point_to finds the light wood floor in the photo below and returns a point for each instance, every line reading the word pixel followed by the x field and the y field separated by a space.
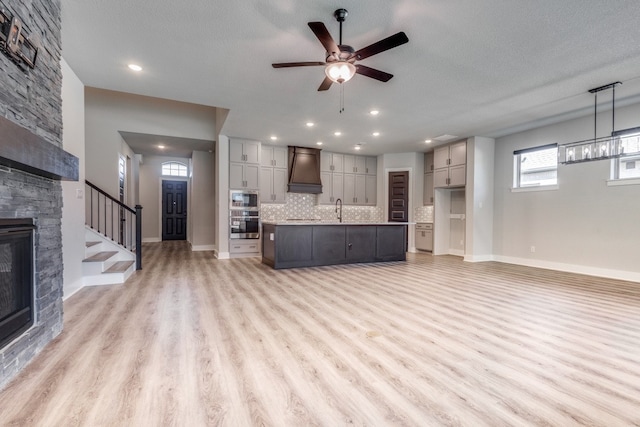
pixel 193 341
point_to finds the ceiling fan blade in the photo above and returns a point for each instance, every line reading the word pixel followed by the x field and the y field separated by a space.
pixel 326 84
pixel 325 38
pixel 297 64
pixel 373 73
pixel 382 45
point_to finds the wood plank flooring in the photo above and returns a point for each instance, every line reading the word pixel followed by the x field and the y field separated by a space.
pixel 194 341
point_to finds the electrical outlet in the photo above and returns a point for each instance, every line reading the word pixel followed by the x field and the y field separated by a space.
pixel 532 249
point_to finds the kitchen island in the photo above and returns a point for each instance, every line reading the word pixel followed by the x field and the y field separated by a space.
pixel 308 244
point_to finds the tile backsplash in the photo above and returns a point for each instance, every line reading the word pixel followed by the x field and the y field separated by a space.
pixel 423 214
pixel 305 207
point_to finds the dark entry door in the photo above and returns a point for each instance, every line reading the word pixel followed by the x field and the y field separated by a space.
pixel 399 196
pixel 174 210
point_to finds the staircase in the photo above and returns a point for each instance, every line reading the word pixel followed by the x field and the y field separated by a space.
pixel 106 262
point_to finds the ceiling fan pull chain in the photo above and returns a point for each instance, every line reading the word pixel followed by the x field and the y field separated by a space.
pixel 341 98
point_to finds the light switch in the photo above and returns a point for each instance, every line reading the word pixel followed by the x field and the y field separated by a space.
pixel 79 193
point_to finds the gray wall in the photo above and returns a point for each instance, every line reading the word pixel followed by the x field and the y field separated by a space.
pixel 583 226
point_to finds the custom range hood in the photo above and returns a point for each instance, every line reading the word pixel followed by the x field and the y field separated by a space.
pixel 304 170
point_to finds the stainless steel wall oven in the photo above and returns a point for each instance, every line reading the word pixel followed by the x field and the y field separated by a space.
pixel 244 215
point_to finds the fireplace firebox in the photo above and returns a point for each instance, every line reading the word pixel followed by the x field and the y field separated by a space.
pixel 16 278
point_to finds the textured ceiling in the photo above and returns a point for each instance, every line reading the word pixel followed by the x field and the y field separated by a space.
pixel 471 67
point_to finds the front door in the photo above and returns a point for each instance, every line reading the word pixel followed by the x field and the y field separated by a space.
pixel 174 210
pixel 399 196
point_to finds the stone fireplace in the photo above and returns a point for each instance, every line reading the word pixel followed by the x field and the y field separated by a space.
pixel 32 163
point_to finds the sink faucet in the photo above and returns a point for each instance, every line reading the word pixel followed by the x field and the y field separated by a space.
pixel 339 212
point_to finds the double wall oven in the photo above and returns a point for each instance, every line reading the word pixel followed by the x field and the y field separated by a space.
pixel 244 215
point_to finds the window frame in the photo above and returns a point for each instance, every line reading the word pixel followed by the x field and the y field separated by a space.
pixel 178 168
pixel 517 169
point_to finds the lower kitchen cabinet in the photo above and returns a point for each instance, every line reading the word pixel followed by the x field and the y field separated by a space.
pixel 424 236
pixel 305 245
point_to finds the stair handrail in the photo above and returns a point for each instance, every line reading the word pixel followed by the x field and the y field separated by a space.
pixel 136 220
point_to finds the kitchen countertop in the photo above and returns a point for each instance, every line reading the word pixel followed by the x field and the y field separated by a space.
pixel 306 222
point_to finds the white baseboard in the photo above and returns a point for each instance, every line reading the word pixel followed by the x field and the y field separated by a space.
pixel 151 240
pixel 197 248
pixel 221 255
pixel 72 289
pixel 456 252
pixel 631 276
pixel 478 258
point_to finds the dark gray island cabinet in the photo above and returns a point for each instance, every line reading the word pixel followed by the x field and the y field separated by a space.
pixel 289 245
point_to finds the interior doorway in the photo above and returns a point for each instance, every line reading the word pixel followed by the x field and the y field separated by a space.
pixel 398 196
pixel 174 210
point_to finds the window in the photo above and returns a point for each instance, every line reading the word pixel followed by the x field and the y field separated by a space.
pixel 535 167
pixel 174 169
pixel 628 165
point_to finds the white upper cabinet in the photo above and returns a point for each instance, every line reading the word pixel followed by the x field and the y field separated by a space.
pixel 244 151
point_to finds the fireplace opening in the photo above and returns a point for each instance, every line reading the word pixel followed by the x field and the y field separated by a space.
pixel 16 278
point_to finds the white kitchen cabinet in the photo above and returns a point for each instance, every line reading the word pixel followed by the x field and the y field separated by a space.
pixel 332 187
pixel 424 236
pixel 242 151
pixel 331 162
pixel 274 156
pixel 273 185
pixel 244 246
pixel 428 192
pixel 355 164
pixel 355 192
pixel 371 165
pixel 450 165
pixel 243 176
pixel 428 162
pixel 371 189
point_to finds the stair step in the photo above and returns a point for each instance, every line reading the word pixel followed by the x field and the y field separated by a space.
pixel 100 256
pixel 119 267
pixel 89 244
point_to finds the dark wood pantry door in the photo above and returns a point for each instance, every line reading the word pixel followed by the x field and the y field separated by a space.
pixel 399 196
pixel 174 210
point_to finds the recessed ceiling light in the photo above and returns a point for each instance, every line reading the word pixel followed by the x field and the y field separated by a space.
pixel 319 143
pixel 135 67
pixel 161 147
pixel 374 112
pixel 337 133
pixel 273 138
pixel 310 124
pixel 357 147
pixel 376 134
pixel 428 141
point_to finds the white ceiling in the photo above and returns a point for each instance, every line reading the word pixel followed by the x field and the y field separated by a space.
pixel 471 67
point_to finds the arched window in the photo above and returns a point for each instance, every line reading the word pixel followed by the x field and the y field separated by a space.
pixel 174 169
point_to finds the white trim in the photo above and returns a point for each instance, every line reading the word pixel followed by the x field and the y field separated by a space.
pixel 198 248
pixel 456 252
pixel 625 181
pixel 478 258
pixel 572 268
pixel 151 240
pixel 536 188
pixel 221 255
pixel 77 285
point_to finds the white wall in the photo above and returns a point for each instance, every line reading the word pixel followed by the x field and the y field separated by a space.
pixel 108 112
pixel 73 242
pixel 151 195
pixel 203 215
pixel 222 197
pixel 585 225
pixel 480 200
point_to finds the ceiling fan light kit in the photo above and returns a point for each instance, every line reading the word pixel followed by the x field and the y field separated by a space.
pixel 340 58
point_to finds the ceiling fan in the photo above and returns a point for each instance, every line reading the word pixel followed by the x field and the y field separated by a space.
pixel 340 60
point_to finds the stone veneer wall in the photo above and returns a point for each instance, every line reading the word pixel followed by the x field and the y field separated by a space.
pixel 32 99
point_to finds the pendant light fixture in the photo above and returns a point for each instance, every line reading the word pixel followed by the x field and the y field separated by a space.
pixel 620 143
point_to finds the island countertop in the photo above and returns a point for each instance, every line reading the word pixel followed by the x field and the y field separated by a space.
pixel 290 244
pixel 319 222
